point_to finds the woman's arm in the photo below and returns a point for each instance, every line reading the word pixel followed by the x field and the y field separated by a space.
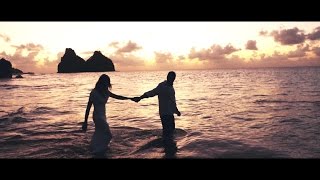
pixel 118 96
pixel 85 123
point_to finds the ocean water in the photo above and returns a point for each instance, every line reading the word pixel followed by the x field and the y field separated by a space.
pixel 238 113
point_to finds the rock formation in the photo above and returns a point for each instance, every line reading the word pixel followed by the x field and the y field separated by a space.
pixel 16 71
pixel 99 63
pixel 71 63
pixel 5 68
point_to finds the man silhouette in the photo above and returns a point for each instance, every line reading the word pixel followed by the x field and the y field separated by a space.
pixel 167 107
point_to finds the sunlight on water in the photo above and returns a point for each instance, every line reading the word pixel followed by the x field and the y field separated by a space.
pixel 243 113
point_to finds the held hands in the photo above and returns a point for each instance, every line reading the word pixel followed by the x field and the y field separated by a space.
pixel 136 99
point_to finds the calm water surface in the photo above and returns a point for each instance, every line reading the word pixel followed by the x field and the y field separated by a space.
pixel 244 113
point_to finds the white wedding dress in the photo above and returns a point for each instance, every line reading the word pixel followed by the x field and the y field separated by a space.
pixel 102 135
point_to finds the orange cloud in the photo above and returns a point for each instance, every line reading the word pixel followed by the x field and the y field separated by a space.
pixel 286 60
pixel 289 36
pixel 128 48
pixel 315 35
pixel 114 44
pixel 214 57
pixel 251 45
pixel 263 33
pixel 299 52
pixel 316 51
pixel 163 58
pixel 29 47
pixel 214 52
pixel 28 63
pixel 125 61
pixel 124 58
pixel 5 37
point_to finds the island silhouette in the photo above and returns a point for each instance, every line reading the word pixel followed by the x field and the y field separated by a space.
pixel 72 63
pixel 6 69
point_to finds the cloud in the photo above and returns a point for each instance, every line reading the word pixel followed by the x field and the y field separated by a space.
pixel 163 58
pixel 251 45
pixel 214 52
pixel 127 62
pixel 180 58
pixel 114 44
pixel 304 48
pixel 29 47
pixel 124 58
pixel 24 58
pixel 296 53
pixel 263 33
pixel 299 52
pixel 87 52
pixel 316 51
pixel 129 47
pixel 294 58
pixel 315 35
pixel 48 66
pixel 166 60
pixel 4 55
pixel 59 55
pixel 284 60
pixel 289 36
pixel 211 58
pixel 227 62
pixel 229 49
pixel 275 60
pixel 24 63
pixel 163 61
pixel 5 37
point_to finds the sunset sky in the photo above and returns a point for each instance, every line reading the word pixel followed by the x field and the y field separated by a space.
pixel 39 46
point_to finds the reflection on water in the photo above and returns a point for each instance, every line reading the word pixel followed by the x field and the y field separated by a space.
pixel 225 114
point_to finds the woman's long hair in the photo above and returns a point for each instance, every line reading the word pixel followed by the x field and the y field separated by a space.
pixel 103 84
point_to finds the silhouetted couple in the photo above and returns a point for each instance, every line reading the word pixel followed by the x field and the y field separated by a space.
pixel 99 97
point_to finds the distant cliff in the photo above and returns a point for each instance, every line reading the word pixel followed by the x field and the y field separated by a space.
pixel 71 63
pixel 99 63
pixel 16 71
pixel 5 68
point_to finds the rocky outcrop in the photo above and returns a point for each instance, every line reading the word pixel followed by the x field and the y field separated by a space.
pixel 5 68
pixel 99 63
pixel 19 76
pixel 16 71
pixel 71 63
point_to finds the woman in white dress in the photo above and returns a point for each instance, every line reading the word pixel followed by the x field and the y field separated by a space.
pixel 99 97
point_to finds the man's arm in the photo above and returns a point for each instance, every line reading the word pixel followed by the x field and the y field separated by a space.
pixel 173 98
pixel 148 94
pixel 177 111
pixel 151 93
